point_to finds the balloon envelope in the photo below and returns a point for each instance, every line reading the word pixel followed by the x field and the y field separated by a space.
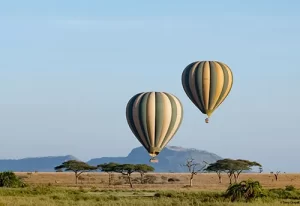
pixel 207 84
pixel 154 118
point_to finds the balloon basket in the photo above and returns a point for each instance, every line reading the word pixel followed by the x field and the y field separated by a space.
pixel 207 120
pixel 153 160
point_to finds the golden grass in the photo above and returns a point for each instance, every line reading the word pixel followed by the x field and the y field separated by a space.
pixel 201 181
pixel 93 190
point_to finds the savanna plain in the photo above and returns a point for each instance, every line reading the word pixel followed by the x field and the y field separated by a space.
pixel 59 188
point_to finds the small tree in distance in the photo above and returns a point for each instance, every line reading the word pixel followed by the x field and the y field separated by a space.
pixel 217 167
pixel 233 168
pixel 109 168
pixel 276 174
pixel 78 167
pixel 244 165
pixel 142 169
pixel 193 168
pixel 126 169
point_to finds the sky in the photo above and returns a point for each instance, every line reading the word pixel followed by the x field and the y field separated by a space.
pixel 68 69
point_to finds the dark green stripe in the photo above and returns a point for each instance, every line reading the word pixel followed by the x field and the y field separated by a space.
pixel 185 82
pixel 129 117
pixel 225 85
pixel 173 118
pixel 159 116
pixel 143 115
pixel 199 86
pixel 213 82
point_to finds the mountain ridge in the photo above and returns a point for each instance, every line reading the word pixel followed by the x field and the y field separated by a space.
pixel 170 160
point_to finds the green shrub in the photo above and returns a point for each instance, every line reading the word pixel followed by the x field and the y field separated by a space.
pixel 173 179
pixel 245 190
pixel 149 179
pixel 290 188
pixel 280 193
pixel 9 179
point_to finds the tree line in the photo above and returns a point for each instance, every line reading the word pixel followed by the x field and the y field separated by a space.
pixel 79 167
pixel 233 169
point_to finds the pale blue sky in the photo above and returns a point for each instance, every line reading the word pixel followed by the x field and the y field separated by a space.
pixel 68 69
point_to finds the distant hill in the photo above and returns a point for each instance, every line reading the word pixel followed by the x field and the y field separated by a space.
pixel 170 160
pixel 41 164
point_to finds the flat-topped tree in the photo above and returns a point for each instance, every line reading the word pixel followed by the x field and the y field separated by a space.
pixel 217 167
pixel 126 169
pixel 108 168
pixel 233 168
pixel 78 167
pixel 142 169
pixel 244 165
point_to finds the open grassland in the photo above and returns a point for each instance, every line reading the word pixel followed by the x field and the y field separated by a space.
pixel 59 189
pixel 49 195
pixel 204 181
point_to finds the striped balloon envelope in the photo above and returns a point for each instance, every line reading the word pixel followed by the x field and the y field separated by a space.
pixel 207 84
pixel 154 118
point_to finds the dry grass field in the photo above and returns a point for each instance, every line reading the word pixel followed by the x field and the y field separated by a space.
pixel 58 188
pixel 201 181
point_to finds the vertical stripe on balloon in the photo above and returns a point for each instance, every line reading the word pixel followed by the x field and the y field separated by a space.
pixel 154 118
pixel 207 84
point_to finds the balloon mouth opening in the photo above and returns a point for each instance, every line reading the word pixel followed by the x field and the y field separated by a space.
pixel 154 151
pixel 153 154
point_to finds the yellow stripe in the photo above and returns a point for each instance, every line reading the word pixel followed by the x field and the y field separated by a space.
pixel 206 84
pixel 166 118
pixel 151 118
pixel 135 114
pixel 220 82
pixel 192 83
pixel 177 123
pixel 230 79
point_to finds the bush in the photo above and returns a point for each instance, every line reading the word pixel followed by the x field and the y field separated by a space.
pixel 164 179
pixel 173 179
pixel 9 179
pixel 280 193
pixel 245 190
pixel 290 188
pixel 149 179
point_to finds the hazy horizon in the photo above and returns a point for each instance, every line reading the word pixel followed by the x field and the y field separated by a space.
pixel 69 68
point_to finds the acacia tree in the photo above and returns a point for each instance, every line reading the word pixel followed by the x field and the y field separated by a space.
pixel 233 168
pixel 193 168
pixel 142 169
pixel 229 166
pixel 217 167
pixel 78 167
pixel 109 168
pixel 125 169
pixel 242 165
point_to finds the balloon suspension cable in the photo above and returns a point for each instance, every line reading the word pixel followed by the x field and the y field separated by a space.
pixel 153 160
pixel 207 120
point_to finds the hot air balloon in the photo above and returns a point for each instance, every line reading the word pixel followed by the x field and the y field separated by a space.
pixel 207 84
pixel 154 118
